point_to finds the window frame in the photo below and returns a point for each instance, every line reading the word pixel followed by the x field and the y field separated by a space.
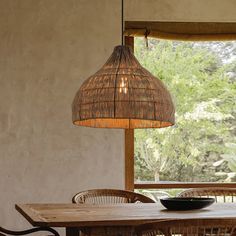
pixel 129 162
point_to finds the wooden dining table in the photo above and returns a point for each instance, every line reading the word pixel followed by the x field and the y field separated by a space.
pixel 75 216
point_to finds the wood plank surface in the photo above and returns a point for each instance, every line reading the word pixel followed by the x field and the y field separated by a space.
pixel 76 215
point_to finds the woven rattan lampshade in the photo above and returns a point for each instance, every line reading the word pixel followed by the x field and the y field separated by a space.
pixel 123 94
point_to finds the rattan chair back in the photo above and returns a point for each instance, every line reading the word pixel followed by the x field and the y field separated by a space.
pixel 193 227
pixel 109 196
pixel 220 194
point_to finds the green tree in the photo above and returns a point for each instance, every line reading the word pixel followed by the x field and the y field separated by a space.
pixel 203 87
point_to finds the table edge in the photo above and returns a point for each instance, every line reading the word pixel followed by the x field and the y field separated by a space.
pixel 25 211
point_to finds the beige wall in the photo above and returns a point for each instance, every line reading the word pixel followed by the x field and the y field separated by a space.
pixel 47 48
pixel 181 10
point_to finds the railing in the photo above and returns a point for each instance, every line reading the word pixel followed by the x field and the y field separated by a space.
pixel 169 185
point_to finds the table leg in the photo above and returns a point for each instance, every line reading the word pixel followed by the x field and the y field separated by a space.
pixel 72 231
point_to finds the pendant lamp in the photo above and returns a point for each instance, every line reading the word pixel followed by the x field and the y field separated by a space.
pixel 123 94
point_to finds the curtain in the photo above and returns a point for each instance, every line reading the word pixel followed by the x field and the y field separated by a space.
pixel 188 31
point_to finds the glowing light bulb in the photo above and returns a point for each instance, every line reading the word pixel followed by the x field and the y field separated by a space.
pixel 123 86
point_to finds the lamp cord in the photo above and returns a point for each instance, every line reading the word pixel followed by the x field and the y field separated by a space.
pixel 122 22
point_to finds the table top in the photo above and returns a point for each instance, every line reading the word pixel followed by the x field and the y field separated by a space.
pixel 78 215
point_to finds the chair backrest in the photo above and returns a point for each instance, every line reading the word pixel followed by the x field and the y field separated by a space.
pixel 220 194
pixel 109 196
pixel 194 227
pixel 4 232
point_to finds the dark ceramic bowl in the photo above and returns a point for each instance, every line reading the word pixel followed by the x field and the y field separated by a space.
pixel 183 204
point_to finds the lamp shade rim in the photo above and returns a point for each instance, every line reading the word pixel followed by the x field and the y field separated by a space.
pixel 123 123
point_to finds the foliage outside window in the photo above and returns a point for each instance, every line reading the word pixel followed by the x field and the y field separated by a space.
pixel 201 147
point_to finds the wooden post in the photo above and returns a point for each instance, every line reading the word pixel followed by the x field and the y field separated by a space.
pixel 129 142
pixel 129 159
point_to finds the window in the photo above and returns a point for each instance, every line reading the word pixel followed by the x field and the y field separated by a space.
pixel 201 147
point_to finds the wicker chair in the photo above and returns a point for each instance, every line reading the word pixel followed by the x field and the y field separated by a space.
pixel 109 196
pixel 193 227
pixel 220 194
pixel 4 232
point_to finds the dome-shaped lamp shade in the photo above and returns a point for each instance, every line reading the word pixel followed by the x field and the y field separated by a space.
pixel 122 94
